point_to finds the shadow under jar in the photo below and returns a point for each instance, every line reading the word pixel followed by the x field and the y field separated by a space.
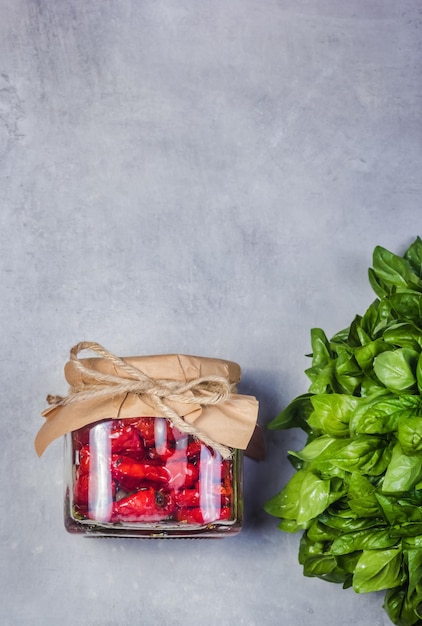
pixel 142 477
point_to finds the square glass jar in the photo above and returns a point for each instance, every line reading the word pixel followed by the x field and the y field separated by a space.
pixel 142 477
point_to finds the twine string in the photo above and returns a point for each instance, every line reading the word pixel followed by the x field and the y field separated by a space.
pixel 205 390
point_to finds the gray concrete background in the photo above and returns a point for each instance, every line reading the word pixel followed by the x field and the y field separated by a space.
pixel 199 177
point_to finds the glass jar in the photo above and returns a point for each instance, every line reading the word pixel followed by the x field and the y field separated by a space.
pixel 142 477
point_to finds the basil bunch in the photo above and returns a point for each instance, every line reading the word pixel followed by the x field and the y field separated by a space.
pixel 357 490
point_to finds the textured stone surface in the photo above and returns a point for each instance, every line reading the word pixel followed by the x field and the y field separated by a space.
pixel 201 177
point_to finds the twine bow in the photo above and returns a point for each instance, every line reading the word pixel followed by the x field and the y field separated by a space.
pixel 205 391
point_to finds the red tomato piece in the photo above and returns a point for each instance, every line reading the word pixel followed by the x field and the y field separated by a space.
pixel 146 428
pixel 182 474
pixel 125 437
pixel 145 505
pixel 84 459
pixel 132 474
pixel 187 498
pixel 90 499
pixel 201 516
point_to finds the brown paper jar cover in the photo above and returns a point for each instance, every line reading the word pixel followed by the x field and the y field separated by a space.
pixel 230 423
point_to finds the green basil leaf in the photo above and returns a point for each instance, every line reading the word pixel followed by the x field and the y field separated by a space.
pixel 326 568
pixel 408 529
pixel 393 604
pixel 347 336
pixel 393 512
pixel 321 373
pixel 414 567
pixel 320 532
pixel 347 372
pixel 403 335
pixel 373 539
pixel 348 562
pixel 323 380
pixel 399 609
pixel 408 306
pixel 303 498
pixel 295 461
pixel 359 486
pixel 366 354
pixel 381 316
pixel 396 369
pixel 386 317
pixel 409 433
pixel 414 256
pixel 400 510
pixel 369 321
pixel 308 547
pixel 369 454
pixel 291 526
pixel 380 287
pixel 321 566
pixel 394 270
pixel 365 506
pixel 403 471
pixel 412 542
pixel 348 521
pixel 369 387
pixel 419 373
pixel 377 570
pixel 362 496
pixel 315 448
pixel 380 414
pixel 321 353
pixel 364 338
pixel 295 415
pixel 332 413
